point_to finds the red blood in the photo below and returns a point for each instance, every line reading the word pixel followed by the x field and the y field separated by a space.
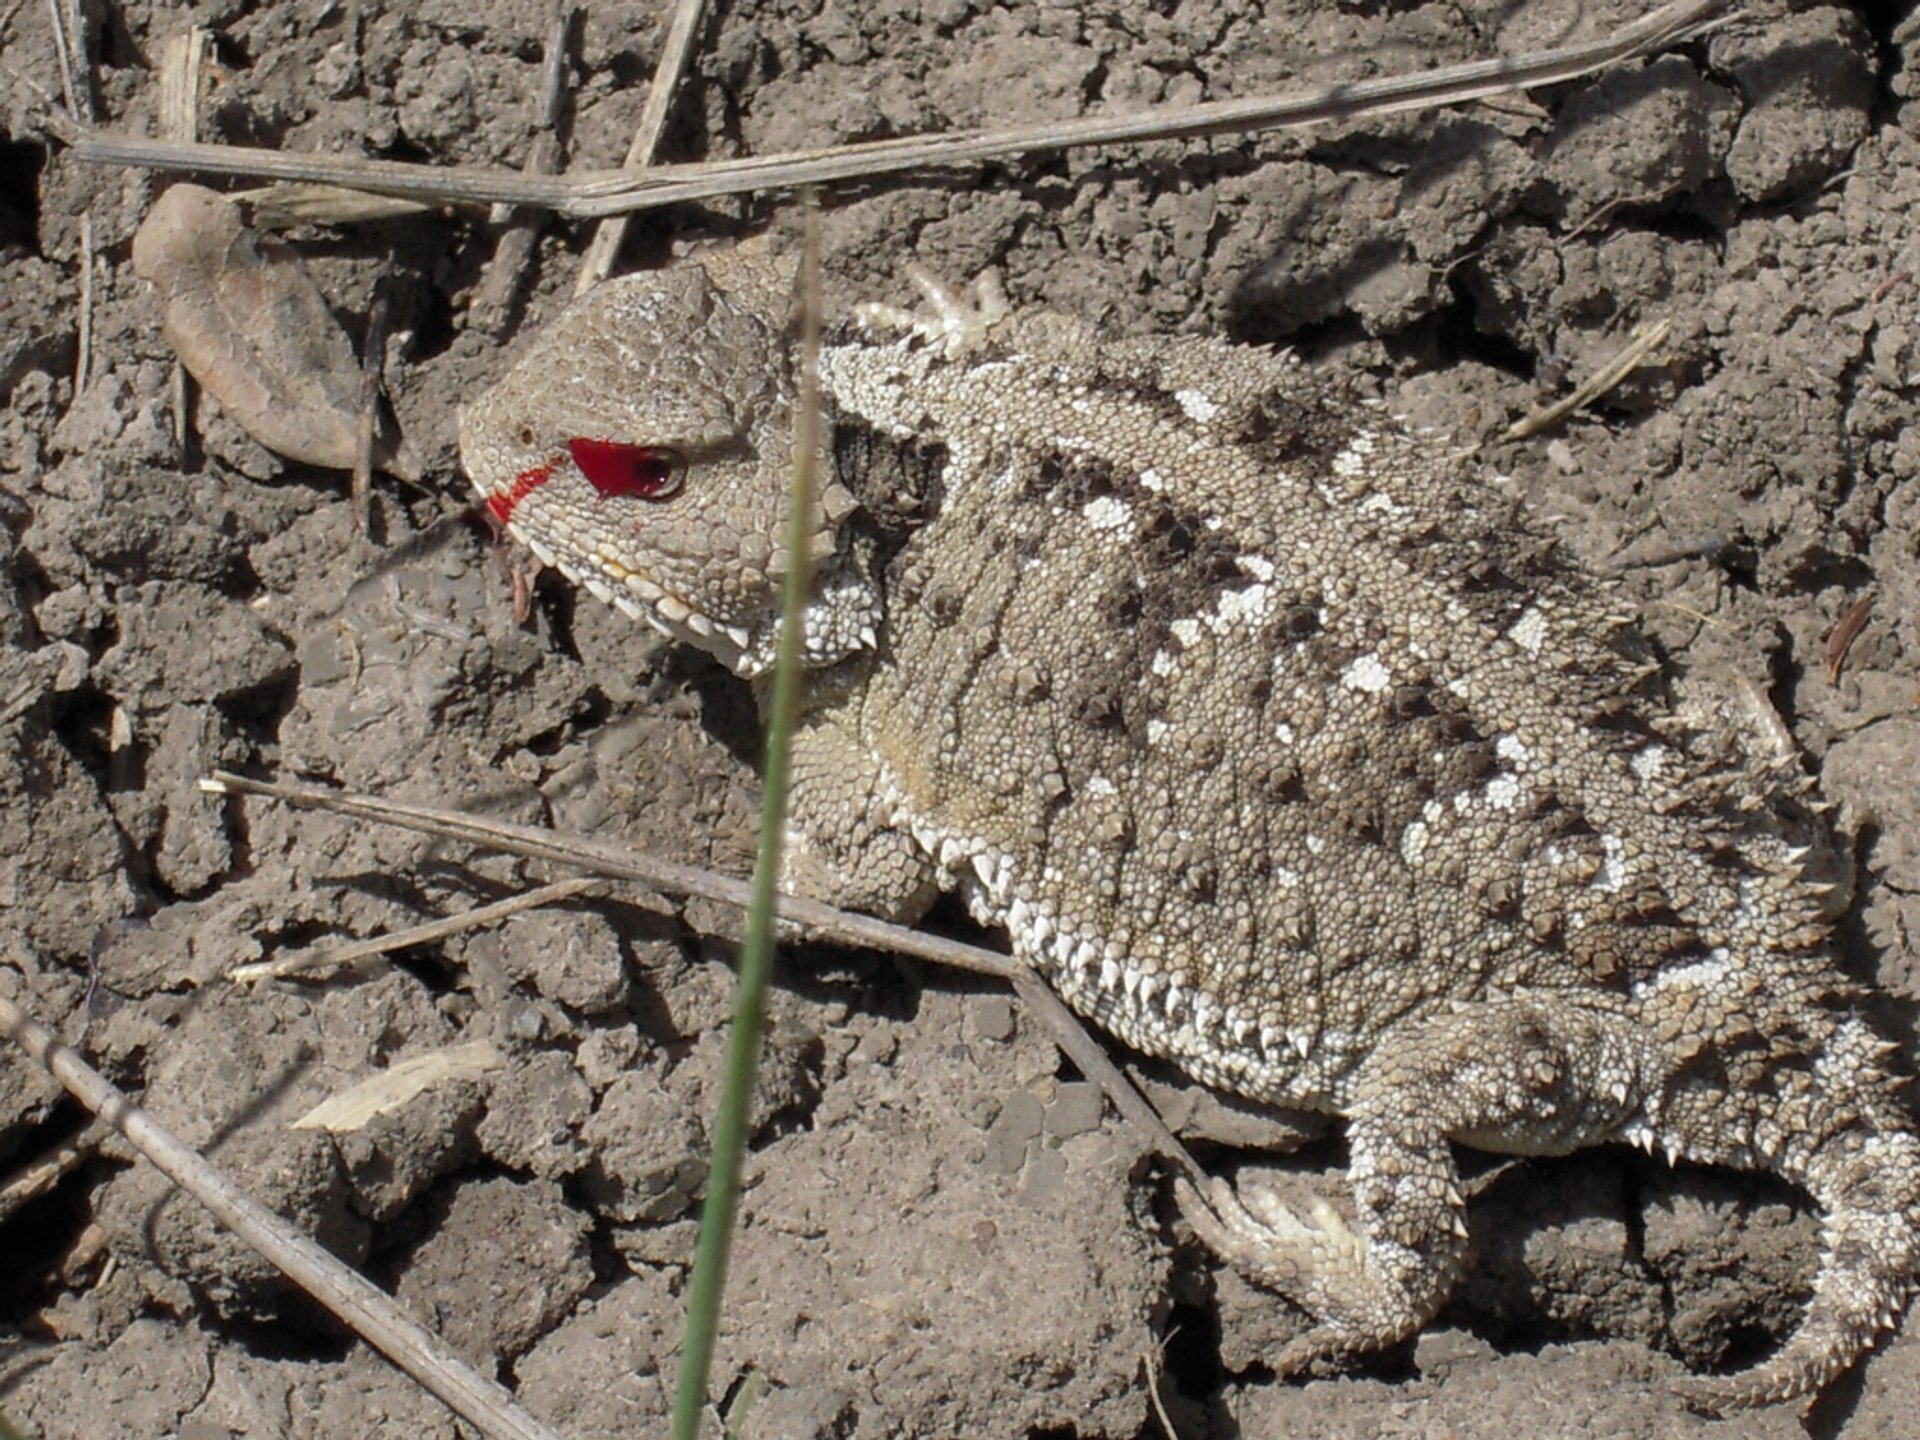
pixel 652 472
pixel 504 502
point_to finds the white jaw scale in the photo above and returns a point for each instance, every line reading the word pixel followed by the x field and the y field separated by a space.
pixel 639 598
pixel 839 620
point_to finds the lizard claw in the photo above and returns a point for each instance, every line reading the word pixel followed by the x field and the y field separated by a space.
pixel 955 320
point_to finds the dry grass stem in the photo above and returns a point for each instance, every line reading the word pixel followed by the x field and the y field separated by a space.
pixel 38 1176
pixel 818 920
pixel 333 961
pixel 183 59
pixel 373 349
pixel 1647 338
pixel 78 97
pixel 596 857
pixel 1845 633
pixel 83 343
pixel 613 192
pixel 607 237
pixel 1150 1361
pixel 493 300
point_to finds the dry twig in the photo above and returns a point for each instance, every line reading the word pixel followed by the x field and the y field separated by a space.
pixel 83 345
pixel 1647 338
pixel 79 97
pixel 822 921
pixel 1845 633
pixel 607 237
pixel 39 1176
pixel 333 961
pixel 493 300
pixel 373 352
pixel 183 60
pixel 615 192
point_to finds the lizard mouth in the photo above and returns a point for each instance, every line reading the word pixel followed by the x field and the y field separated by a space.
pixel 570 535
pixel 641 598
pixel 617 470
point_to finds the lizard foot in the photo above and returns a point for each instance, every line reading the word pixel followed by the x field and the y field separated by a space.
pixel 1319 1260
pixel 955 320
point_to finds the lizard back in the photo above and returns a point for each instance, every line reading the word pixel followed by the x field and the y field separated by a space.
pixel 1258 721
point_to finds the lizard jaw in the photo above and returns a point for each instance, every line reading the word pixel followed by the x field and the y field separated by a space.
pixel 640 598
pixel 841 618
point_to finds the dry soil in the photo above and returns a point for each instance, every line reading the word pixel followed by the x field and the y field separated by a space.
pixel 944 1234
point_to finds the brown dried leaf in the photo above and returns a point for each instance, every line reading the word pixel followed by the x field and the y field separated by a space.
pixel 253 330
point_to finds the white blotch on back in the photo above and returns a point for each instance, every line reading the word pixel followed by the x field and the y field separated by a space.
pixel 1197 405
pixel 1366 674
pixel 1711 973
pixel 1353 460
pixel 1413 842
pixel 1529 632
pixel 1613 871
pixel 1250 604
pixel 1107 512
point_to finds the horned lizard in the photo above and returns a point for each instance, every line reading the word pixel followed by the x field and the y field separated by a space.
pixel 1273 737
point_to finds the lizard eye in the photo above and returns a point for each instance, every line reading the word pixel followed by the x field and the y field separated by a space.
pixel 615 468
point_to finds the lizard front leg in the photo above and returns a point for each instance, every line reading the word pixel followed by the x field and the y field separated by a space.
pixel 842 845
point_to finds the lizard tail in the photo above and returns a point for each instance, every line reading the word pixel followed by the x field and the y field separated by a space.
pixel 1859 1159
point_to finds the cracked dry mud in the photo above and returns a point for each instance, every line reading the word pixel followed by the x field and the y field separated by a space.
pixel 943 1234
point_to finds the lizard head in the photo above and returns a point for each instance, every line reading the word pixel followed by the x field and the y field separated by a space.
pixel 643 445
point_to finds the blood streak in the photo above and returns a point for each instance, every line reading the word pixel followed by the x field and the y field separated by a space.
pixel 616 467
pixel 504 502
pixel 612 467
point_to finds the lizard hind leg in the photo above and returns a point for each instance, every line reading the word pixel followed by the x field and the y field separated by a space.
pixel 1529 1074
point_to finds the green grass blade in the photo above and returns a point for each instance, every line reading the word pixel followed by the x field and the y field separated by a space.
pixel 756 955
